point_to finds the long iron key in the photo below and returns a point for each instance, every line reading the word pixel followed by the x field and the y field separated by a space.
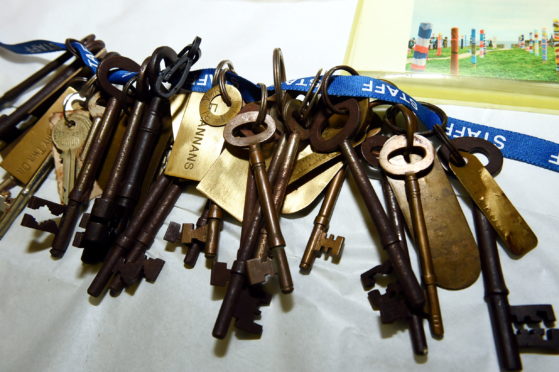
pixel 265 195
pixel 391 304
pixel 410 171
pixel 412 289
pixel 505 318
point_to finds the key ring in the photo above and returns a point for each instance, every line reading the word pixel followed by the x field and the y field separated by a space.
pixel 324 86
pixel 279 77
pixel 219 79
pixel 310 99
pixel 263 105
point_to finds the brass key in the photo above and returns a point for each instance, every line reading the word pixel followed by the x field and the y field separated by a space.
pixel 68 135
pixel 265 196
pixel 410 171
pixel 319 241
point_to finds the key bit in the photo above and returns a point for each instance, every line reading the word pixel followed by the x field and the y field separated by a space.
pixel 330 245
pixel 247 309
pixel 391 304
pixel 220 274
pixel 48 225
pixel 132 272
pixel 259 270
pixel 528 319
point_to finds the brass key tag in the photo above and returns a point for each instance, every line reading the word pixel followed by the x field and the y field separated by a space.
pixel 26 157
pixel 515 233
pixel 197 144
pixel 453 248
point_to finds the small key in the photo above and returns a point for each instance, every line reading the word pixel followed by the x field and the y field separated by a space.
pixel 412 289
pixel 319 242
pixel 410 171
pixel 68 137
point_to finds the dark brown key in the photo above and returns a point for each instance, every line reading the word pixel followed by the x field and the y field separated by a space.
pixel 236 276
pixel 44 71
pixel 46 93
pixel 514 327
pixel 389 238
pixel 102 224
pixel 135 265
pixel 265 195
pixel 156 114
pixel 391 305
pixel 124 241
pixel 93 160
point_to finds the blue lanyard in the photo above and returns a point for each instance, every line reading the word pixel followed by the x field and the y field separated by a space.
pixel 517 146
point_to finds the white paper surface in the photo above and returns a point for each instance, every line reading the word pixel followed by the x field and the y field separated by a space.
pixel 49 323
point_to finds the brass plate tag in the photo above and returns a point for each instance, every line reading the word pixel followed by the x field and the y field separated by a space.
pixel 453 248
pixel 488 196
pixel 197 145
pixel 30 152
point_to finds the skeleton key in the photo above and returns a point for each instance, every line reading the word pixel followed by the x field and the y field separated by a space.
pixel 265 196
pixel 124 241
pixel 80 192
pixel 319 242
pixel 392 305
pixel 236 276
pixel 144 239
pixel 102 224
pixel 412 289
pixel 68 135
pixel 410 171
pixel 508 321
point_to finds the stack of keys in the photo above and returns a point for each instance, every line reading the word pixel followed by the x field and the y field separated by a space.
pixel 222 134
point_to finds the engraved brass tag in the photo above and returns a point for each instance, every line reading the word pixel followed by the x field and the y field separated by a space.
pixel 488 196
pixel 453 248
pixel 30 152
pixel 197 145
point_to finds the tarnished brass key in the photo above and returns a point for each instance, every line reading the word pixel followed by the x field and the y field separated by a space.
pixel 265 196
pixel 410 171
pixel 412 289
pixel 319 242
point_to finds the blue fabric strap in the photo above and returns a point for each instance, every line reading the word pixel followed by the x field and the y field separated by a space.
pixel 517 146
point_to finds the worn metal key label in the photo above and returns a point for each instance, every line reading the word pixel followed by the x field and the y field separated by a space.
pixel 488 196
pixel 30 152
pixel 197 145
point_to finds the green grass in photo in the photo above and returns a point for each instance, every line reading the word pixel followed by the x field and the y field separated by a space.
pixel 506 64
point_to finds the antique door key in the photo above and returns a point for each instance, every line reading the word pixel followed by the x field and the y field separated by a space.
pixel 514 327
pixel 410 171
pixel 389 239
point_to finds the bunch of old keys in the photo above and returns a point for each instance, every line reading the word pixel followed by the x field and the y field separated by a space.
pixel 115 145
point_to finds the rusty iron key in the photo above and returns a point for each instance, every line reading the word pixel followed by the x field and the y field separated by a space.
pixel 265 196
pixel 79 194
pixel 410 171
pixel 509 331
pixel 391 304
pixel 412 289
pixel 102 222
pixel 124 241
pixel 135 265
pixel 238 301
